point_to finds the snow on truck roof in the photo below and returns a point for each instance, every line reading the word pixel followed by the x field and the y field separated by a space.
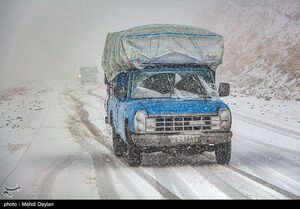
pixel 153 45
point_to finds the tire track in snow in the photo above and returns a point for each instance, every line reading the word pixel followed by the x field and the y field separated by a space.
pixel 82 130
pixel 130 185
pixel 171 180
pixel 164 191
pixel 105 185
pixel 263 182
pixel 162 165
pixel 271 127
pixel 83 114
pixel 45 185
pixel 285 163
pixel 96 95
pixel 256 179
pixel 219 183
pixel 288 154
pixel 84 119
pixel 103 165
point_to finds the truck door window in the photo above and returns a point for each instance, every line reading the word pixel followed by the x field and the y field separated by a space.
pixel 120 80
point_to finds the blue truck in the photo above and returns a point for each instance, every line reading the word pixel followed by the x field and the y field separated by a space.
pixel 162 94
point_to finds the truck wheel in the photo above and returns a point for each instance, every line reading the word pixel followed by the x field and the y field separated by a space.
pixel 118 146
pixel 133 155
pixel 133 152
pixel 223 153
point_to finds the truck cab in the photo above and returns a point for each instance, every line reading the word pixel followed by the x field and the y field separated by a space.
pixel 169 108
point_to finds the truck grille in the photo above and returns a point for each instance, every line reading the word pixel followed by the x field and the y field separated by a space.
pixel 165 124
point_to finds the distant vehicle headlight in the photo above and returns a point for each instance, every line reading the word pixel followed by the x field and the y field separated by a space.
pixel 79 75
pixel 225 118
pixel 140 121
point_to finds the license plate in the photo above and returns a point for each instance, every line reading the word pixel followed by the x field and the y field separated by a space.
pixel 184 139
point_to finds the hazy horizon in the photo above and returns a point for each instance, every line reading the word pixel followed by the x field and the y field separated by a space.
pixel 50 40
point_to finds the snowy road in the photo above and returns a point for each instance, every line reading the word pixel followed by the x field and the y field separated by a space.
pixel 66 152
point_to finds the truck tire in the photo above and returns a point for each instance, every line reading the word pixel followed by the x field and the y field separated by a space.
pixel 118 146
pixel 133 156
pixel 133 152
pixel 223 153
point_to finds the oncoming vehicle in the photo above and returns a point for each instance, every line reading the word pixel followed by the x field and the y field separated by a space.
pixel 162 94
pixel 88 75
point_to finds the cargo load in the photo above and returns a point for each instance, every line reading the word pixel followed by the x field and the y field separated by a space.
pixel 160 45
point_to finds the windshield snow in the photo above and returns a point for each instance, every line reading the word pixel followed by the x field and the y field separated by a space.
pixel 173 84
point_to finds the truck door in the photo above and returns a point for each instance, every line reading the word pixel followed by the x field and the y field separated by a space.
pixel 112 104
pixel 120 103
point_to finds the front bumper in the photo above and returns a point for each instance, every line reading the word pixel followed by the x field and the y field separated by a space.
pixel 171 140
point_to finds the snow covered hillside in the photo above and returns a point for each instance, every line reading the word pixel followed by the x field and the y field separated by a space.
pixel 262 47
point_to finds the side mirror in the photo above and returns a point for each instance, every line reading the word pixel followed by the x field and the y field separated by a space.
pixel 120 92
pixel 224 89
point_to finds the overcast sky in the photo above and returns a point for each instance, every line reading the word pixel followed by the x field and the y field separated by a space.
pixel 51 39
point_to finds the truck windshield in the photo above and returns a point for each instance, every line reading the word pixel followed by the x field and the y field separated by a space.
pixel 172 84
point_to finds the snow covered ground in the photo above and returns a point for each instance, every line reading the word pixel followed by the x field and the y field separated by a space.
pixel 55 144
pixel 281 114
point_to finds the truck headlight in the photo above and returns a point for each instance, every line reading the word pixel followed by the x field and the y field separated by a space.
pixel 225 118
pixel 140 121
